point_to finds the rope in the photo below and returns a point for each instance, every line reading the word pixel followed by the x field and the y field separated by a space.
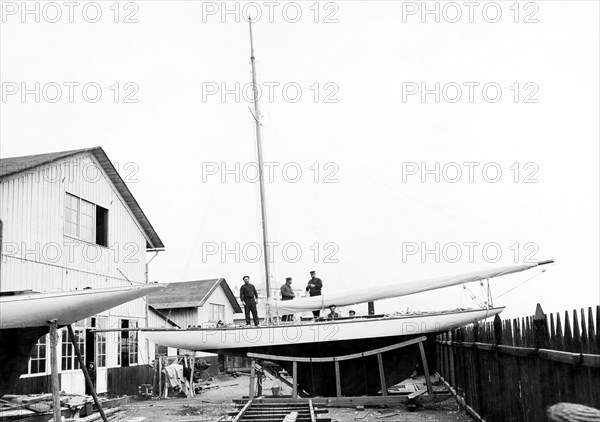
pixel 520 284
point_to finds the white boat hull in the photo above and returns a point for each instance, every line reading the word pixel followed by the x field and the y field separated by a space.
pixel 37 309
pixel 24 318
pixel 239 340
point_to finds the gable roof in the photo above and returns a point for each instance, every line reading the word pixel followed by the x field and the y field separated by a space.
pixel 191 294
pixel 14 165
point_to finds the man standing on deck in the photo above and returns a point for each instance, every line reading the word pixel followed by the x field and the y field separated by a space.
pixel 287 294
pixel 249 296
pixel 314 289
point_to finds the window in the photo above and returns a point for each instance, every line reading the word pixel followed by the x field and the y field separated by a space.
pixel 133 344
pixel 217 312
pixel 161 350
pixel 85 220
pixel 72 215
pixel 100 350
pixel 128 344
pixel 68 357
pixel 37 362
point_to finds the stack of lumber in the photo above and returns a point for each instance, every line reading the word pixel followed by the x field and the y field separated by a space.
pixel 38 407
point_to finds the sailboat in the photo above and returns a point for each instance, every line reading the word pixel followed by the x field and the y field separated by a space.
pixel 25 317
pixel 325 338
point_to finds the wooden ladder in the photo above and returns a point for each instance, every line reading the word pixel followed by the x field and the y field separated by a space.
pixel 277 412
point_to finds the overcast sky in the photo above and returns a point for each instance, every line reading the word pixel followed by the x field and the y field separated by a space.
pixel 404 143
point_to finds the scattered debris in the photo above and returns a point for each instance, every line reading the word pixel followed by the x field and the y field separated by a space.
pixel 74 407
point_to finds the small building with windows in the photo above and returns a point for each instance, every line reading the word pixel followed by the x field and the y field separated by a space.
pixel 71 222
pixel 201 303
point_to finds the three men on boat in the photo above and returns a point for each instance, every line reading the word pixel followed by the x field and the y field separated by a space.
pixel 249 296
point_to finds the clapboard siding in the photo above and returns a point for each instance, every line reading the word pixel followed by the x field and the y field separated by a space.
pixel 34 385
pixel 184 317
pixel 36 248
pixel 37 254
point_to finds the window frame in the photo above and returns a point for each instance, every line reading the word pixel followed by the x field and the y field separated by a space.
pixel 134 346
pixel 220 312
pixel 93 224
pixel 128 341
pixel 68 357
pixel 36 360
pixel 101 343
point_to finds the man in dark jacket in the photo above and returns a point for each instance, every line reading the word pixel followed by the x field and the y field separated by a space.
pixel 314 289
pixel 287 293
pixel 332 313
pixel 249 297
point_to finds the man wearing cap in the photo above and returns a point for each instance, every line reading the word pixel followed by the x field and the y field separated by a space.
pixel 314 289
pixel 287 294
pixel 248 296
pixel 332 313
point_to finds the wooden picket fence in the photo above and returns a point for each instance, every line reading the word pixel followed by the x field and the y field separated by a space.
pixel 513 370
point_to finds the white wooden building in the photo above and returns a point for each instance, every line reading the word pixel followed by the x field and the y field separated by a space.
pixel 196 303
pixel 70 222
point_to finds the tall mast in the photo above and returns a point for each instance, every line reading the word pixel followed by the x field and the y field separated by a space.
pixel 261 179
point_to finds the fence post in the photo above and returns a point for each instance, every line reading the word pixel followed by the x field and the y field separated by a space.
pixel 497 330
pixel 541 340
pixel 540 329
pixel 479 406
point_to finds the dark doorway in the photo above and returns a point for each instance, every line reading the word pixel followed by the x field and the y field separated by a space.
pixel 124 343
pixel 90 354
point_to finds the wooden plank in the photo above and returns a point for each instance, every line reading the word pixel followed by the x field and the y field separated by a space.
pixel 576 333
pixel 540 329
pixel 391 400
pixel 497 330
pixel 242 411
pixel 452 368
pixel 313 418
pixel 338 382
pixel 568 339
pixel 560 356
pixel 252 378
pixel 192 364
pixel 425 369
pixel 597 333
pixel 295 377
pixel 462 402
pixel 54 370
pixel 417 393
pixel 552 332
pixel 339 358
pixel 559 334
pixel 381 373
pixel 585 347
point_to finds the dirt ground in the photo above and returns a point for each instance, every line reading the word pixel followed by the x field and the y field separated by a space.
pixel 212 405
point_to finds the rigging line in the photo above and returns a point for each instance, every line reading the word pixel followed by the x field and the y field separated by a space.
pixel 520 284
pixel 130 282
pixel 474 296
